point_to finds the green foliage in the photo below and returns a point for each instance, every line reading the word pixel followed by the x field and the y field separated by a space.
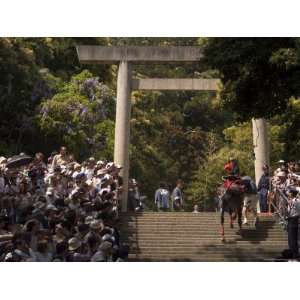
pixel 209 176
pixel 288 130
pixel 259 74
pixel 79 116
pixel 48 99
pixel 238 144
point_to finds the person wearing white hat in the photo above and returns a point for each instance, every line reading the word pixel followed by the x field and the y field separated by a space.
pixel 281 167
pixel 3 161
pixel 100 163
pixel 97 225
pixel 75 248
pixel 280 180
pixel 77 170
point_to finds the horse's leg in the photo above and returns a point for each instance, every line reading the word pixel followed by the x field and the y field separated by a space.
pixel 239 214
pixel 233 215
pixel 230 217
pixel 222 225
pixel 245 210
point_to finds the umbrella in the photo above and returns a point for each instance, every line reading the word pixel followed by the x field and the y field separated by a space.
pixel 18 161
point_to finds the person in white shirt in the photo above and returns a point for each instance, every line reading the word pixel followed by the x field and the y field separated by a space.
pixel 196 209
pixel 293 221
pixel 90 168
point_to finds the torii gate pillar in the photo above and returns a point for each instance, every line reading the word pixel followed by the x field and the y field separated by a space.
pixel 122 127
pixel 261 147
pixel 126 56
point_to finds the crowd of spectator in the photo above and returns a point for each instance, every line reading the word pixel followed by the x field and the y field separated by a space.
pixel 281 192
pixel 60 210
pixel 286 177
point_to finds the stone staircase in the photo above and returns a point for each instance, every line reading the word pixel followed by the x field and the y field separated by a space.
pixel 182 236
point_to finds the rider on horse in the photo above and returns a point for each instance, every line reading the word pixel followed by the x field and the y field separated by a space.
pixel 232 195
pixel 232 180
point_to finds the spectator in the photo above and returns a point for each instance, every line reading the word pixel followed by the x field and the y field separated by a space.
pixel 134 197
pixel 281 167
pixel 250 198
pixel 263 189
pixel 104 252
pixel 293 222
pixel 60 159
pixel 162 197
pixel 63 211
pixel 42 253
pixel 177 196
pixel 196 209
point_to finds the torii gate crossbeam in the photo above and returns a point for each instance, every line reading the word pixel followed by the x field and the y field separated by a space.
pixel 126 56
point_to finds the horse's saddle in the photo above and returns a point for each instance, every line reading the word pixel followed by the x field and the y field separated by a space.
pixel 234 186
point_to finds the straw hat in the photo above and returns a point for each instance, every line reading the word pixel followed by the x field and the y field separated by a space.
pixel 96 224
pixel 2 159
pixel 88 220
pixel 74 243
pixel 100 163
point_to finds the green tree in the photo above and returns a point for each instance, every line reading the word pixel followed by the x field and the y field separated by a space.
pixel 259 74
pixel 80 115
pixel 238 143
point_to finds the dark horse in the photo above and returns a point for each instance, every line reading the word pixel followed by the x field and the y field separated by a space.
pixel 231 200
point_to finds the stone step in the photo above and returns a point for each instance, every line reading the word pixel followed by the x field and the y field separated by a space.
pixel 207 256
pixel 207 250
pixel 206 223
pixel 182 213
pixel 198 258
pixel 188 220
pixel 242 252
pixel 175 233
pixel 193 219
pixel 199 228
pixel 208 241
pixel 174 236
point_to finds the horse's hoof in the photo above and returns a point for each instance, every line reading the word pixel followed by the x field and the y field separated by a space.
pixel 231 225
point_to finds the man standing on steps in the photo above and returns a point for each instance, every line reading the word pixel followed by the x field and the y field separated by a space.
pixel 177 196
pixel 263 189
pixel 162 197
pixel 250 198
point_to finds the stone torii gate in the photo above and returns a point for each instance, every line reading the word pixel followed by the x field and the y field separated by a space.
pixel 125 57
